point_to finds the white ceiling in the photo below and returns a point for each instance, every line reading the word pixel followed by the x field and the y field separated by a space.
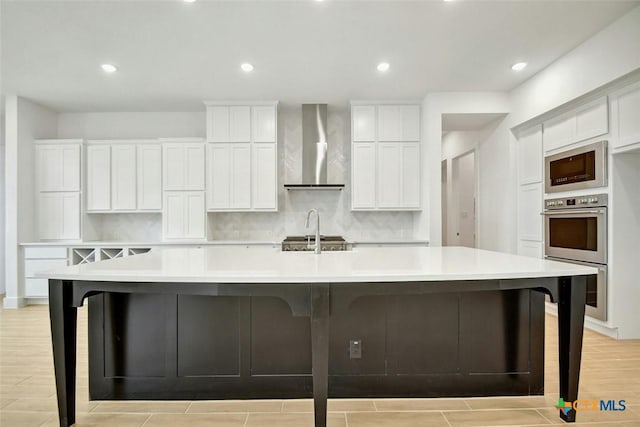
pixel 171 55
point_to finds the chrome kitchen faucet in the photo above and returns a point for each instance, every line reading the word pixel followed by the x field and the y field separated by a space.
pixel 316 245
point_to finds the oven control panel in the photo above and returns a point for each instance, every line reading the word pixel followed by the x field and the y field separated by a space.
pixel 576 202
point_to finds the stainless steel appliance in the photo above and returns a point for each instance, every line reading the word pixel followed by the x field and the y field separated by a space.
pixel 576 232
pixel 577 169
pixel 307 243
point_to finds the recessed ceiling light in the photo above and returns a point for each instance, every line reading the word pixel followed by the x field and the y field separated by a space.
pixel 383 66
pixel 109 68
pixel 519 66
pixel 189 1
pixel 246 67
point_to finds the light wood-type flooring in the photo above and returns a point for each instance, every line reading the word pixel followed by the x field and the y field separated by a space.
pixel 610 370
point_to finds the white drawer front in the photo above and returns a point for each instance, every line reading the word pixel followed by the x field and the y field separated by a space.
pixel 33 266
pixel 36 288
pixel 45 253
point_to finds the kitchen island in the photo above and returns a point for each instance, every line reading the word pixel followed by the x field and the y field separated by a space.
pixel 318 287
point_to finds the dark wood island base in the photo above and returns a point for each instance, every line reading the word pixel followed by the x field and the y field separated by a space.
pixel 329 308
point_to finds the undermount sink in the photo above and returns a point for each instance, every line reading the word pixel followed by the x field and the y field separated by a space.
pixel 305 243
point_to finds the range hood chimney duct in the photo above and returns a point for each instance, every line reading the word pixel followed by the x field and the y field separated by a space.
pixel 314 149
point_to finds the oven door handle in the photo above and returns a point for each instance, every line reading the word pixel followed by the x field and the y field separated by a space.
pixel 572 211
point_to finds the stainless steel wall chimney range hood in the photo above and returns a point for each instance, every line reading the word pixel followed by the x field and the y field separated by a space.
pixel 314 150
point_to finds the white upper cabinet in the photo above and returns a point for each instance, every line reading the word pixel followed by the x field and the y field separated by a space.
pixel 587 121
pixel 99 177
pixel 252 122
pixel 229 123
pixel 363 122
pixel 592 120
pixel 559 131
pixel 530 156
pixel 264 173
pixel 59 215
pixel 58 165
pixel 625 114
pixel 149 177
pixel 184 216
pixel 386 162
pixel 123 177
pixel 398 123
pixel 363 175
pixel 263 123
pixel 183 166
pixel 242 165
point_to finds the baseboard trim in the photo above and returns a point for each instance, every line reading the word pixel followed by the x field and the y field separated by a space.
pixel 589 322
pixel 13 302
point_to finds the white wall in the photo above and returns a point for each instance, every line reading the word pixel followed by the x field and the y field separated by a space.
pixel 494 161
pixel 24 121
pixel 428 221
pixel 608 55
pixel 131 125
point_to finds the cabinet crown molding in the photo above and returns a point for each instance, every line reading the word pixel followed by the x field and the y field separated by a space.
pixel 232 103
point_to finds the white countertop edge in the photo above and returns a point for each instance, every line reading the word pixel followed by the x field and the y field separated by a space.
pixel 206 243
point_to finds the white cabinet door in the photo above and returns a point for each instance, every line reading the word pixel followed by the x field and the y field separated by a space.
pixel 184 215
pixel 529 150
pixel 123 177
pixel 58 167
pixel 183 166
pixel 219 176
pixel 363 175
pixel 195 215
pixel 410 175
pixel 389 184
pixel 389 123
pixel 174 215
pixel 410 122
pixel 98 177
pixel 592 120
pixel 240 176
pixel 529 209
pixel 149 177
pixel 239 123
pixel 174 158
pixel 363 122
pixel 263 123
pixel 264 171
pixel 398 123
pixel 218 124
pixel 559 131
pixel 625 115
pixel 59 216
pixel 194 167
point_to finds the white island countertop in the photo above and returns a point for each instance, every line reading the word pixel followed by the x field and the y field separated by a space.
pixel 268 265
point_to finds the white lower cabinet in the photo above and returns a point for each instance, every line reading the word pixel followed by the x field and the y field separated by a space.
pixel 184 215
pixel 59 216
pixel 39 259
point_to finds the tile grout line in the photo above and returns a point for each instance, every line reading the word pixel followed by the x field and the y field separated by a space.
pixel 147 420
pixel 246 420
pixel 346 419
pixel 445 418
pixel 186 411
pixel 543 416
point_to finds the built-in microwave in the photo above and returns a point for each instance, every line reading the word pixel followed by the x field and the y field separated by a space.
pixel 577 169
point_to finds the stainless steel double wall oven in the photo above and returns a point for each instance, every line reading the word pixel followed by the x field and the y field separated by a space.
pixel 576 226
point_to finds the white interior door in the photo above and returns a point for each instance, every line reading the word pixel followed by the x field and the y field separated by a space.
pixel 462 208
